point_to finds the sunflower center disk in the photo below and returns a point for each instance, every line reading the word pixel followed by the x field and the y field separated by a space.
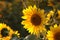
pixel 4 32
pixel 57 36
pixel 35 19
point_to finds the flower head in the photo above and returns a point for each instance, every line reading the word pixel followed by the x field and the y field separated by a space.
pixel 7 30
pixel 34 20
pixel 54 33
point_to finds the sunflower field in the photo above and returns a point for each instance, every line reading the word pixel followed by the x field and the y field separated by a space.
pixel 29 19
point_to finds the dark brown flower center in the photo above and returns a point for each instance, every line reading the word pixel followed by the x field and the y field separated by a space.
pixel 35 19
pixel 57 36
pixel 4 32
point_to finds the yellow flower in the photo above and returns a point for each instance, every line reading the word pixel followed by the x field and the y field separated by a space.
pixel 49 15
pixel 34 20
pixel 5 27
pixel 7 38
pixel 57 17
pixel 16 33
pixel 54 33
pixel 58 11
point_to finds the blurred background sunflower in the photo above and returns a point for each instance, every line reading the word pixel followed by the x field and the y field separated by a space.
pixel 54 33
pixel 5 31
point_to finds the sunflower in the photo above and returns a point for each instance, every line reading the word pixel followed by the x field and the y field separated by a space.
pixel 57 17
pixel 58 11
pixel 17 34
pixel 34 20
pixel 54 33
pixel 7 30
pixel 49 15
